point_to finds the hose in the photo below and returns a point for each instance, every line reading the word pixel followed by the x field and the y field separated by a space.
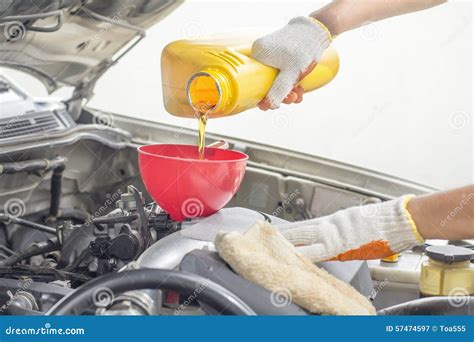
pixel 210 293
pixel 32 250
pixel 446 306
pixel 25 223
pixel 56 188
pixel 33 165
pixel 57 164
pixel 7 250
pixel 27 271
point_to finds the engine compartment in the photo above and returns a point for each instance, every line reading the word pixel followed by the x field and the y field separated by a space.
pixel 68 247
pixel 74 213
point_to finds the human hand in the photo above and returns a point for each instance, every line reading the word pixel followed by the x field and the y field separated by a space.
pixel 294 50
pixel 367 232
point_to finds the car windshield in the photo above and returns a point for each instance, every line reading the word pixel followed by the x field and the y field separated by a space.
pixel 399 87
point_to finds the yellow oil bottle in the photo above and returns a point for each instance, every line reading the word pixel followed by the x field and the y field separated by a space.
pixel 221 77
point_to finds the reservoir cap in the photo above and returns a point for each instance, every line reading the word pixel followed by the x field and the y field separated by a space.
pixel 449 254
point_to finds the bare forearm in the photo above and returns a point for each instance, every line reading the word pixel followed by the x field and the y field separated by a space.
pixel 344 15
pixel 445 215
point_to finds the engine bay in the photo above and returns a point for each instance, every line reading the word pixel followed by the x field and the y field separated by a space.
pixel 53 253
pixel 79 233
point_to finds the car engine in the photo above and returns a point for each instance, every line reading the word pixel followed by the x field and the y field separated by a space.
pixel 49 257
pixel 64 249
pixel 79 233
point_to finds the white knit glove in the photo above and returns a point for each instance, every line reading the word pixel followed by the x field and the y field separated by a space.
pixel 372 231
pixel 293 50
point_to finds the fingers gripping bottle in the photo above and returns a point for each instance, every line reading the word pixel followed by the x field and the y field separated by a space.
pixel 219 77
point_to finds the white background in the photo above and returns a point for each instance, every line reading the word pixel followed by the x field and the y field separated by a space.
pixel 401 104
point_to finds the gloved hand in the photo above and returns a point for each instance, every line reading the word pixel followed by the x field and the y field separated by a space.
pixel 294 50
pixel 372 231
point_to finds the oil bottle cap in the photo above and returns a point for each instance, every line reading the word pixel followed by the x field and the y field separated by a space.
pixel 449 254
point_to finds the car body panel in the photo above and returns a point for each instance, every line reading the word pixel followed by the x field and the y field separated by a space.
pixel 85 39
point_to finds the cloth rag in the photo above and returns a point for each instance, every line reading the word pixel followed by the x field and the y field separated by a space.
pixel 263 256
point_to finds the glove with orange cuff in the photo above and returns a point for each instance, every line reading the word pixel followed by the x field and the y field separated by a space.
pixel 372 231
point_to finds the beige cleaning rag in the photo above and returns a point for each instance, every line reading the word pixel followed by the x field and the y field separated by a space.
pixel 263 256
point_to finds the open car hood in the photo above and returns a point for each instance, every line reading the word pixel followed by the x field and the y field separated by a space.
pixel 73 42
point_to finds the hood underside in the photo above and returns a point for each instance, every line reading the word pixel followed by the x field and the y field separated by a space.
pixel 73 42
